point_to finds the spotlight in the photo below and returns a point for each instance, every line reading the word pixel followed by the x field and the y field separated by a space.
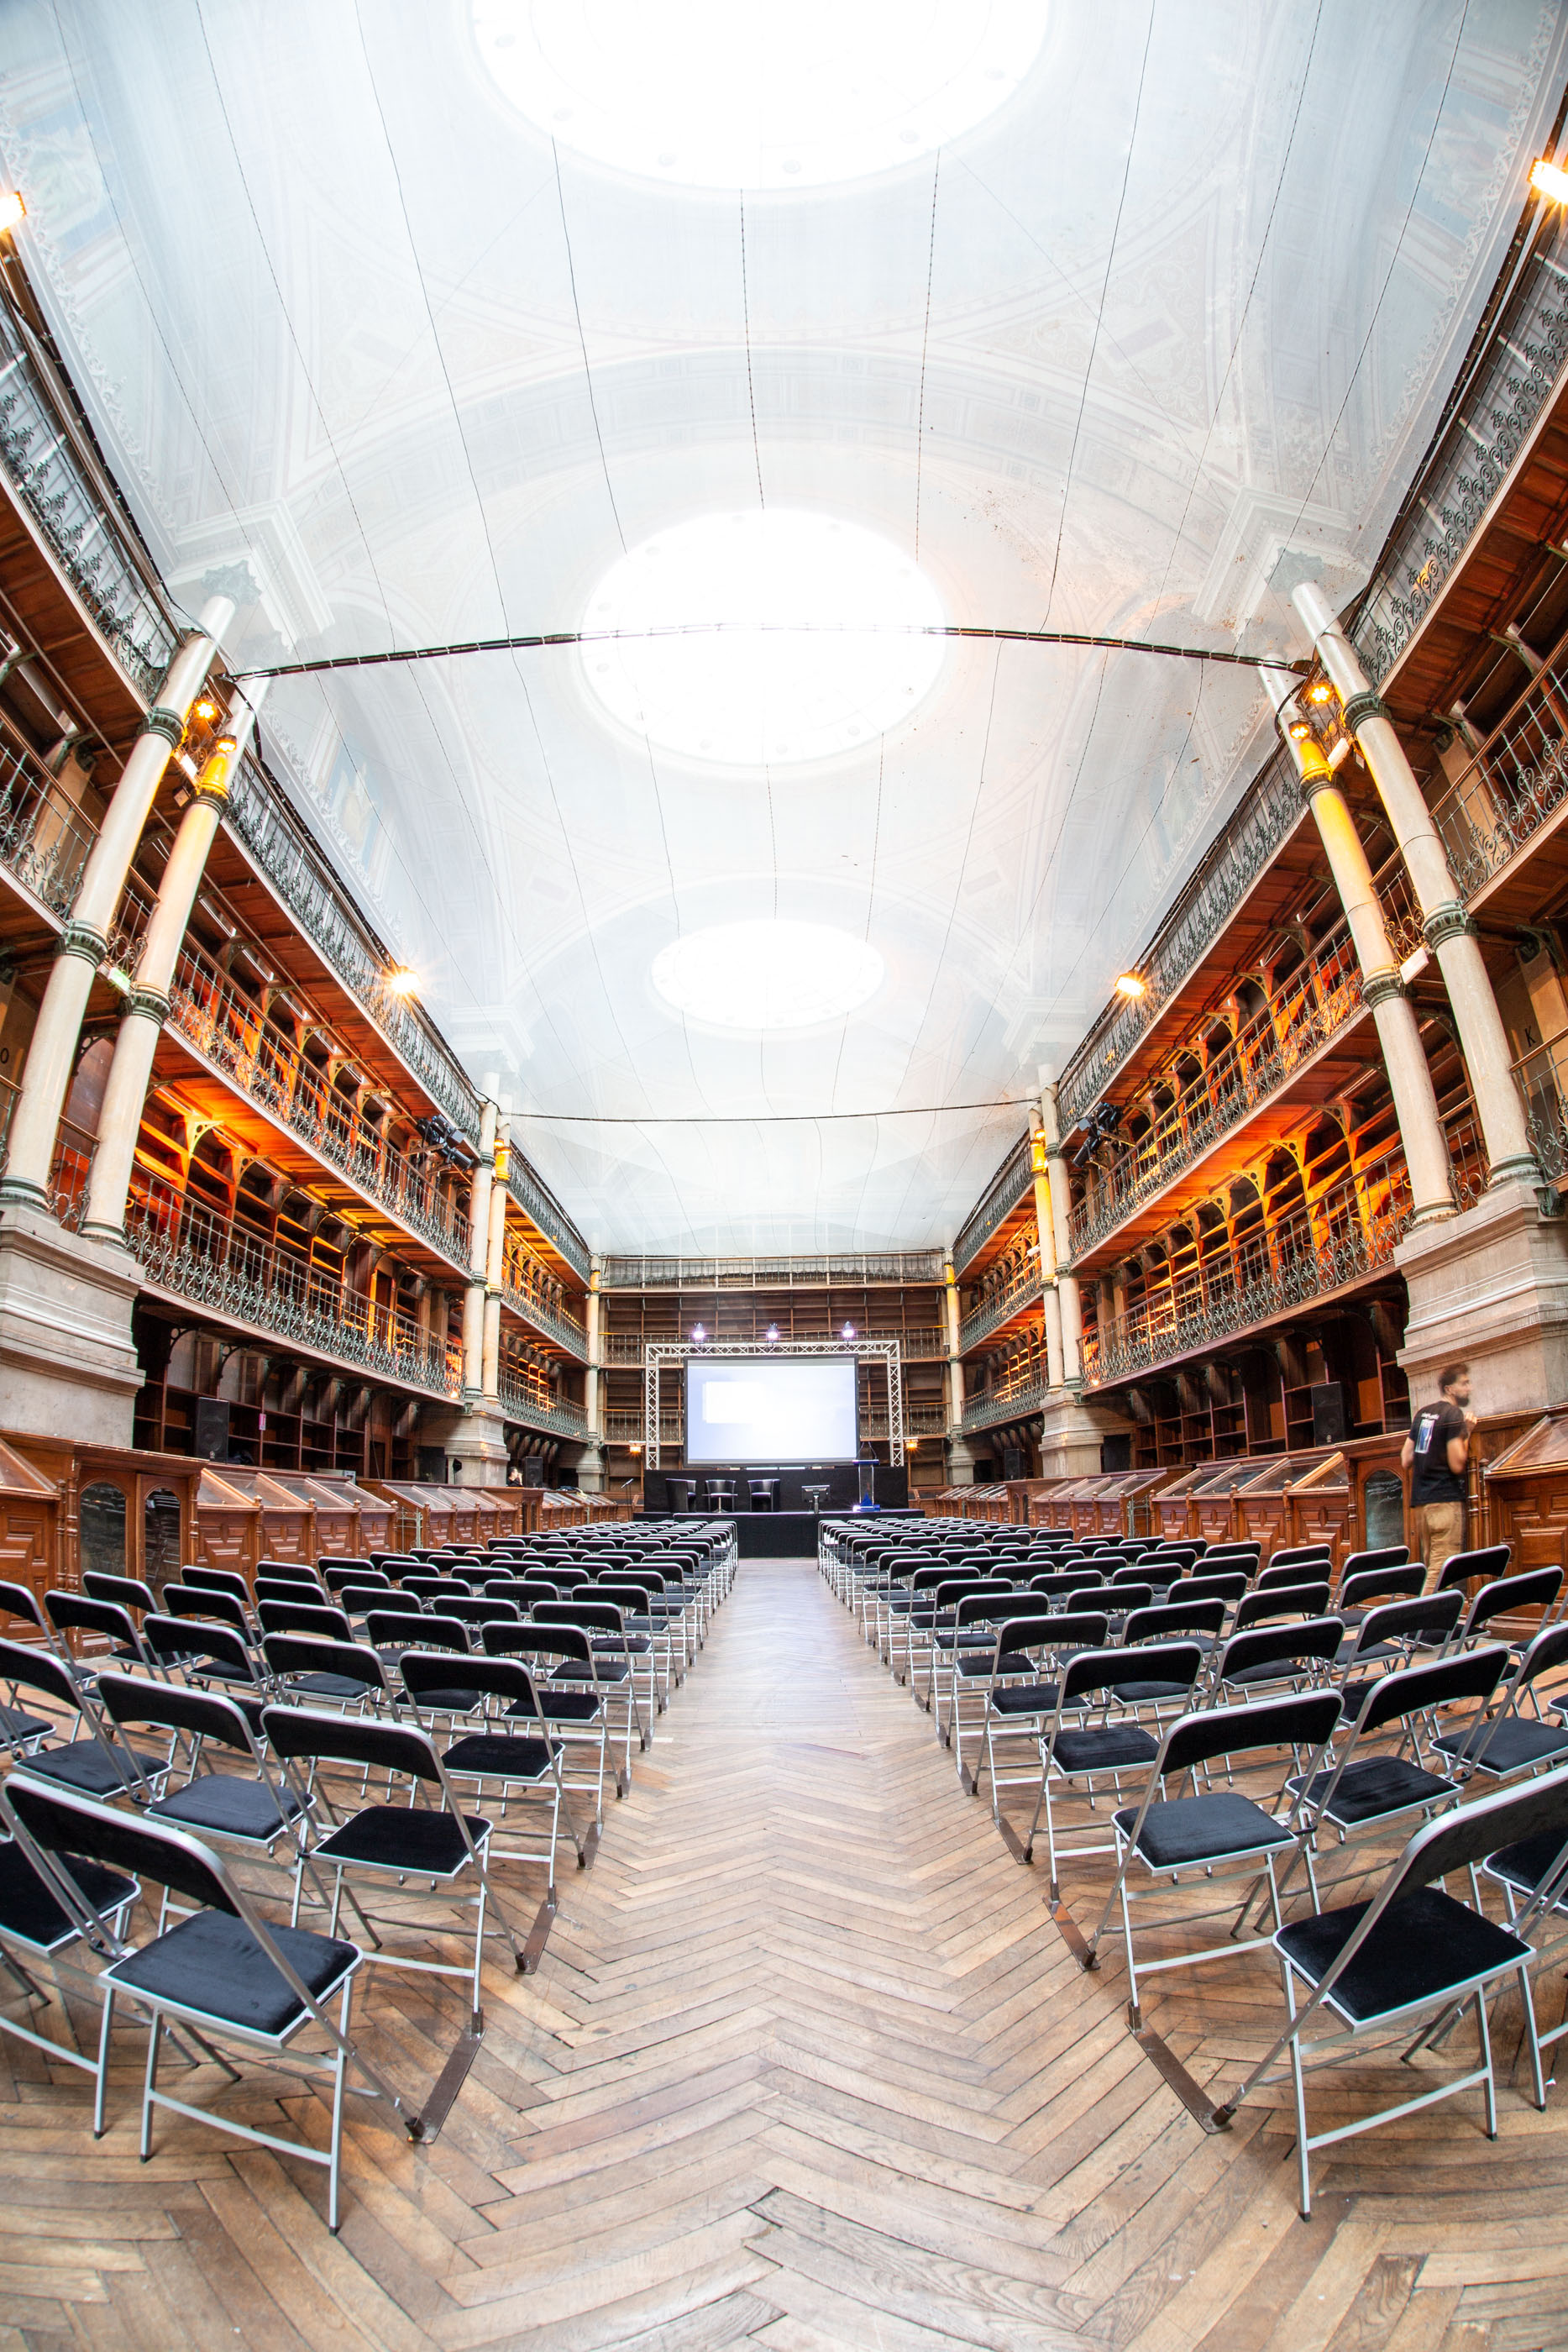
pixel 698 1334
pixel 1131 985
pixel 1301 730
pixel 1320 690
pixel 773 1335
pixel 1102 1121
pixel 848 1332
pixel 1548 180
pixel 401 981
pixel 12 211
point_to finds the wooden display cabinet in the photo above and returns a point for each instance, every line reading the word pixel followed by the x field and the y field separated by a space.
pixel 1526 1490
pixel 126 1512
pixel 30 1524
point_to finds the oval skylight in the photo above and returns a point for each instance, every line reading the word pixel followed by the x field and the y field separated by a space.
pixel 750 94
pixel 767 975
pixel 795 671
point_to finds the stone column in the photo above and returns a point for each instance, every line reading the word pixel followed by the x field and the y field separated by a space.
pixel 1046 1233
pixel 1449 929
pixel 1398 1037
pixel 478 1259
pixel 147 1006
pixel 494 1266
pixel 960 1459
pixel 591 1469
pixel 52 1053
pixel 1066 1281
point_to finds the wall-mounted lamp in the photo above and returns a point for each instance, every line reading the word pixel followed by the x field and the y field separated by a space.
pixel 401 981
pixel 1131 985
pixel 1547 178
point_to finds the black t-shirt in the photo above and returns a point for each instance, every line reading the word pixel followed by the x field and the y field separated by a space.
pixel 1431 1480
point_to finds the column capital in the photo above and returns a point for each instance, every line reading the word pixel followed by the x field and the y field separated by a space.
pixel 1381 987
pixel 83 940
pixel 161 720
pixel 1360 708
pixel 1449 921
pixel 148 1004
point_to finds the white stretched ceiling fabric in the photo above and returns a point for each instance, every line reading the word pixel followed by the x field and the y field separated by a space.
pixel 408 321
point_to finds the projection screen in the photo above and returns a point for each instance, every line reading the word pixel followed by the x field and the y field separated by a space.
pixel 768 1409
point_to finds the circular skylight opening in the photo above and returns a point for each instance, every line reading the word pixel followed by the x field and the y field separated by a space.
pixel 767 975
pixel 740 94
pixel 795 669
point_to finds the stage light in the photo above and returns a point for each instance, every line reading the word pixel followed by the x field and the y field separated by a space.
pixel 773 1335
pixel 795 669
pixel 705 94
pixel 1301 730
pixel 1549 180
pixel 1320 690
pixel 206 710
pixel 400 981
pixel 12 211
pixel 1131 986
pixel 848 1332
pixel 698 1334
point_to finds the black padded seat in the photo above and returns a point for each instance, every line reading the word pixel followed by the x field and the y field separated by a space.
pixel 89 1770
pixel 1371 1786
pixel 340 1686
pixel 28 1910
pixel 451 1700
pixel 395 1837
pixel 212 1966
pixel 1523 1866
pixel 978 1666
pixel 1188 1830
pixel 1283 1669
pixel 1025 1698
pixel 1150 1694
pixel 559 1705
pixel 226 1806
pixel 16 1728
pixel 1515 1747
pixel 1424 1943
pixel 491 1755
pixel 606 1670
pixel 1114 1748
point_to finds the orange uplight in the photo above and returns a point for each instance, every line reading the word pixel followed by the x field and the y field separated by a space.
pixel 206 710
pixel 1300 731
pixel 400 981
pixel 1131 985
pixel 13 210
pixel 1549 180
pixel 1320 690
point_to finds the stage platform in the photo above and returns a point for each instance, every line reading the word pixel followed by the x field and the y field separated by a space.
pixel 780 1534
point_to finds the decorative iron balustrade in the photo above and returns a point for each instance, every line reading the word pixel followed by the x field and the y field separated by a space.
pixel 1541 1078
pixel 220 1022
pixel 1025 1286
pixel 9 1090
pixel 626 1429
pixel 539 1203
pixel 922 1421
pixel 896 1266
pixel 1309 1008
pixel 88 540
pixel 922 1346
pixel 1309 1254
pixel 1516 780
pixel 559 1419
pixel 531 1291
pixel 1269 812
pixel 45 839
pixel 260 817
pixel 1469 462
pixel 1011 1402
pixel 1000 1197
pixel 216 1264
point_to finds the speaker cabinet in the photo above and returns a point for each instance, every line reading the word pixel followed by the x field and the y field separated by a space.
pixel 1328 1414
pixel 1116 1451
pixel 212 1431
pixel 1012 1462
pixel 533 1470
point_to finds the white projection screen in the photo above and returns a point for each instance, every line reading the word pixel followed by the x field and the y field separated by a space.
pixel 767 1409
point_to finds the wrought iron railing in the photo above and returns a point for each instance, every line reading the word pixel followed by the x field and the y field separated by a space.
pixel 1467 465
pixel 9 1090
pixel 1005 1300
pixel 1270 810
pixel 90 541
pixel 772 1273
pixel 260 816
pixel 919 1420
pixel 187 1248
pixel 531 1291
pixel 920 1345
pixel 626 1428
pixel 1000 1197
pixel 1541 1078
pixel 1011 1401
pixel 45 839
pixel 1516 780
pixel 538 1202
pixel 558 1419
pixel 222 1024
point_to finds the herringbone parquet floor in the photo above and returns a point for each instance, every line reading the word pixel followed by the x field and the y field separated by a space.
pixel 808 2064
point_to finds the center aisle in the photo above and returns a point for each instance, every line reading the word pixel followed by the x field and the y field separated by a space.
pixel 807 2061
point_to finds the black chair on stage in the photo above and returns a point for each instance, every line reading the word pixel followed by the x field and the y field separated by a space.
pixel 764 1494
pixel 681 1491
pixel 720 1494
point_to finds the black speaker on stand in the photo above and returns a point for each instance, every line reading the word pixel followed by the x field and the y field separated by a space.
pixel 1328 1414
pixel 212 1429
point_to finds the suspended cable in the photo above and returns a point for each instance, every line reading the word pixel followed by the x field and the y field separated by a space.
pixel 773 1118
pixel 537 639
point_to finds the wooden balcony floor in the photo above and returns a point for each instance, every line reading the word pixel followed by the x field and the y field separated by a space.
pixel 808 2064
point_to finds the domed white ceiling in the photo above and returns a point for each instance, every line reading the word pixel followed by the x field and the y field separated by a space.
pixel 395 321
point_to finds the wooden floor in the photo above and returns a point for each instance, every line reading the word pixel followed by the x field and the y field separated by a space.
pixel 808 2064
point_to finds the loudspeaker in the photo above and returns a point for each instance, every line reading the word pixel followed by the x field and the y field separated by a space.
pixel 211 1434
pixel 1012 1462
pixel 1328 1414
pixel 533 1470
pixel 1116 1451
pixel 432 1465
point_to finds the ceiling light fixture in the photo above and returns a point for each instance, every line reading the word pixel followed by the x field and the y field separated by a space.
pixel 709 94
pixel 1549 180
pixel 1131 985
pixel 13 210
pixel 788 666
pixel 767 975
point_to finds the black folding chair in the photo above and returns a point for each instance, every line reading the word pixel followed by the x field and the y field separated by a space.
pixel 349 1673
pixel 247 1808
pixel 78 1612
pixel 1510 1743
pixel 393 1846
pixel 1212 1834
pixel 92 1760
pixel 1414 1951
pixel 502 1757
pixel 1081 1759
pixel 217 1579
pixel 572 1696
pixel 223 1970
pixel 1021 1695
pixel 38 1931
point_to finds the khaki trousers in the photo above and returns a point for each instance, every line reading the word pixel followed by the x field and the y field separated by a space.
pixel 1439 1533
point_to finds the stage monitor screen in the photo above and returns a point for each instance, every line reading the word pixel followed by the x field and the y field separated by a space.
pixel 771 1409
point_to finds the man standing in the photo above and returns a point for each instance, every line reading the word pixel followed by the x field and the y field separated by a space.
pixel 1435 1454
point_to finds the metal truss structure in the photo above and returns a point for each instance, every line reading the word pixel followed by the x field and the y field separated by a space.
pixel 659 1352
